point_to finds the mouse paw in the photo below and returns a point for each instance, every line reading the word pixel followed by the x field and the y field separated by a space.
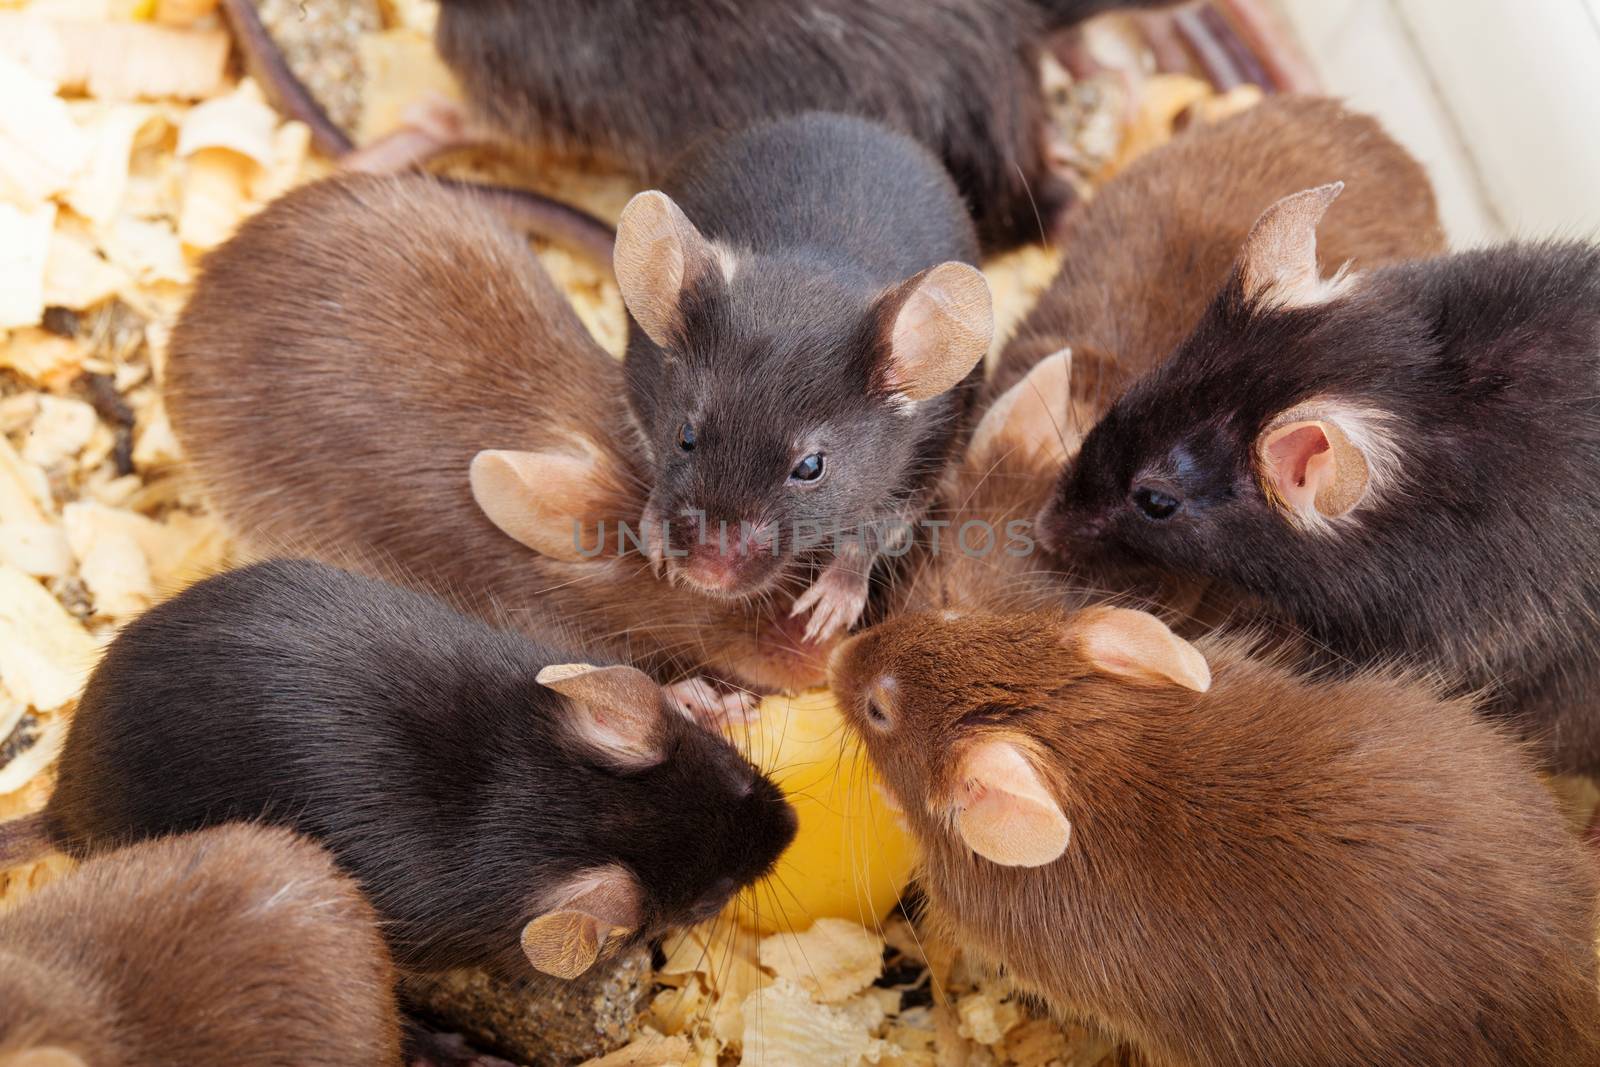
pixel 710 706
pixel 835 600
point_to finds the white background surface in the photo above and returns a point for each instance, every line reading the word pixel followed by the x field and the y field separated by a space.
pixel 1500 98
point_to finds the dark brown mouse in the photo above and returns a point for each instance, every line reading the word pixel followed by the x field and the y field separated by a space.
pixel 239 945
pixel 376 371
pixel 630 84
pixel 1398 462
pixel 500 802
pixel 808 332
pixel 1223 862
pixel 1149 252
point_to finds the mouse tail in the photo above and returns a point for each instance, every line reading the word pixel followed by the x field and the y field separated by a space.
pixel 24 840
pixel 536 215
pixel 524 210
pixel 264 60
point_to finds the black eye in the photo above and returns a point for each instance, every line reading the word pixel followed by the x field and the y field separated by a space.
pixel 808 469
pixel 686 438
pixel 875 713
pixel 1156 504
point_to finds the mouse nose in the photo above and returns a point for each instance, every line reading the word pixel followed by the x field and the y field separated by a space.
pixel 723 553
pixel 1056 530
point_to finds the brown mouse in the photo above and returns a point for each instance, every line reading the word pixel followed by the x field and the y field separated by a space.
pixel 239 945
pixel 1225 862
pixel 377 371
pixel 1149 252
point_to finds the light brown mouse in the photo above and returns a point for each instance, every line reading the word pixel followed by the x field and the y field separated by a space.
pixel 1148 253
pixel 378 372
pixel 238 945
pixel 1225 862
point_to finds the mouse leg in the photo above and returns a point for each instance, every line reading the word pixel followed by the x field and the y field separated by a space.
pixel 838 595
pixel 432 126
pixel 709 704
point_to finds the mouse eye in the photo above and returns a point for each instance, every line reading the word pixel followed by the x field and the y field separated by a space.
pixel 1155 504
pixel 808 469
pixel 686 438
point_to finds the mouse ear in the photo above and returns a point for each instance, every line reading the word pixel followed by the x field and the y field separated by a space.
pixel 1032 416
pixel 540 499
pixel 1136 644
pixel 594 907
pixel 1004 811
pixel 943 321
pixel 657 253
pixel 1311 465
pixel 616 710
pixel 1279 263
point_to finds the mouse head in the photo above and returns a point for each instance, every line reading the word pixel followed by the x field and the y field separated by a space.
pixel 783 402
pixel 674 821
pixel 977 722
pixel 1270 431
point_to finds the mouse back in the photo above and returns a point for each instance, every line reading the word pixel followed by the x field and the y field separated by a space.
pixel 1157 241
pixel 262 953
pixel 959 77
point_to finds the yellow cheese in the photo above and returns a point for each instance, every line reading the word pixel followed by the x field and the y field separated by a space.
pixel 851 856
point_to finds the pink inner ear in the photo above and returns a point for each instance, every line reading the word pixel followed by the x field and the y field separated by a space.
pixel 1301 461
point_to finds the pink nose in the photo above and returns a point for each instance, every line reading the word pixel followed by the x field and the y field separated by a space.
pixel 710 566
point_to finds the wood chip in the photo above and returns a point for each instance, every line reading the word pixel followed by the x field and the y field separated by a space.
pixel 24 251
pixel 45 653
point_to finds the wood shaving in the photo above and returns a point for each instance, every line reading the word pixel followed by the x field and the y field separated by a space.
pixel 832 961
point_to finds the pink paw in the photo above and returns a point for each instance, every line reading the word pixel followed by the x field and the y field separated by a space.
pixel 835 600
pixel 710 706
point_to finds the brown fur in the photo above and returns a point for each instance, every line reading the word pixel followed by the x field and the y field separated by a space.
pixel 1147 254
pixel 240 945
pixel 1279 871
pixel 346 355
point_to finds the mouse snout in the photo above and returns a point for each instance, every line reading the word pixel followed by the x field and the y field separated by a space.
pixel 1058 528
pixel 725 557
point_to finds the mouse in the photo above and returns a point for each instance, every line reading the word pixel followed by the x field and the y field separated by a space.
pixel 503 804
pixel 628 85
pixel 1150 250
pixel 1394 461
pixel 236 944
pixel 1148 253
pixel 1223 860
pixel 377 371
pixel 807 333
